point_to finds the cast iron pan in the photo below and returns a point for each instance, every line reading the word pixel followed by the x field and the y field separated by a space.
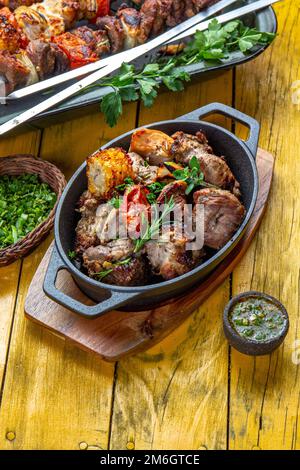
pixel 240 156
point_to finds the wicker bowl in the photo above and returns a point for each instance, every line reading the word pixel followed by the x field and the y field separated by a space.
pixel 48 173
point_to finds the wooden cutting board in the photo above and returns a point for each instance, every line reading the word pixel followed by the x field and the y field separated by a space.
pixel 118 334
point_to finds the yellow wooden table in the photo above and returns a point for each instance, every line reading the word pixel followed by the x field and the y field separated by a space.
pixel 190 391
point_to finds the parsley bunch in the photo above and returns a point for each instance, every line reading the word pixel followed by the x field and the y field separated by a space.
pixel 25 202
pixel 213 45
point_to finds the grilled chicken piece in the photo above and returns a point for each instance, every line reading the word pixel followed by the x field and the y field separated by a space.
pixel 168 255
pixel 143 172
pixel 11 36
pixel 223 214
pixel 215 169
pixel 114 256
pixel 153 145
pixel 107 169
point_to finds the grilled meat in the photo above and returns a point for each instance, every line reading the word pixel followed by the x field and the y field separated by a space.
pixel 114 30
pixel 168 255
pixel 11 35
pixel 87 204
pixel 97 40
pixel 214 168
pixel 86 235
pixel 154 146
pixel 43 57
pixel 143 172
pixel 16 71
pixel 117 256
pixel 223 214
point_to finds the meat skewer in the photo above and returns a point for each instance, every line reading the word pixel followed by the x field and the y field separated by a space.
pixel 127 29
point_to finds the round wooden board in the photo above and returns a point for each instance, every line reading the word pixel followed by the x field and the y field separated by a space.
pixel 118 334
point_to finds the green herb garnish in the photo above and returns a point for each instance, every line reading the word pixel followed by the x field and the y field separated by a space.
pixel 192 175
pixel 153 229
pixel 72 254
pixel 155 190
pixel 127 183
pixel 213 45
pixel 25 202
pixel 102 274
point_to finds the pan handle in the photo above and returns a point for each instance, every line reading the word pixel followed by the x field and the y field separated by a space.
pixel 56 264
pixel 220 108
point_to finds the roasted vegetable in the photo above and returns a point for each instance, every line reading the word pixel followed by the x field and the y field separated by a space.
pixel 107 169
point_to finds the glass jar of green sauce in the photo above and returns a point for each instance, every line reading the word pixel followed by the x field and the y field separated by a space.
pixel 255 323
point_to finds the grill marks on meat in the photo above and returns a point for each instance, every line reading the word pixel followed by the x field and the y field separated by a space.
pixel 223 214
pixel 14 71
pixel 104 257
pixel 214 168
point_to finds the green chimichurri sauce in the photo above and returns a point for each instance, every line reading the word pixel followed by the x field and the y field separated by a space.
pixel 257 319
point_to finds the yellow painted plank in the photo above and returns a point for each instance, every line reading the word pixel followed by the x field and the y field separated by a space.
pixel 175 395
pixel 25 143
pixel 264 404
pixel 55 396
pixel 67 145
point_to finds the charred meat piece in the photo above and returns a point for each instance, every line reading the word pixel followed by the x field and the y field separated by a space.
pixel 42 56
pixel 176 191
pixel 107 169
pixel 88 203
pixel 143 172
pixel 97 40
pixel 153 145
pixel 114 30
pixel 168 255
pixel 223 214
pixel 131 22
pixel 11 36
pixel 62 63
pixel 15 72
pixel 117 256
pixel 214 168
pixel 86 235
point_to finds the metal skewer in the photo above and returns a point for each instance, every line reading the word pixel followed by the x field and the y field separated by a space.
pixel 122 57
pixel 169 36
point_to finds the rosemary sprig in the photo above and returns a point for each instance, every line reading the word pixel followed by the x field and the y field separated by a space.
pixel 151 231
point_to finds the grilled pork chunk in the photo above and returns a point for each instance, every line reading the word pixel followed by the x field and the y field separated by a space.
pixel 168 255
pixel 114 256
pixel 215 169
pixel 223 214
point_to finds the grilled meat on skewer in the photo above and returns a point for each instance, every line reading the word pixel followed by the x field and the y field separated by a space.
pixel 223 214
pixel 215 169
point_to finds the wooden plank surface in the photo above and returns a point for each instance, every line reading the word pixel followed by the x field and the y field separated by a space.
pixel 264 392
pixel 55 396
pixel 9 276
pixel 188 370
pixel 176 395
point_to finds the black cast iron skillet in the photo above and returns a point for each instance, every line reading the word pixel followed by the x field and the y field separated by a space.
pixel 240 157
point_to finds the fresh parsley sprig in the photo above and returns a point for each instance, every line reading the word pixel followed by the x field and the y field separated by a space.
pixel 213 45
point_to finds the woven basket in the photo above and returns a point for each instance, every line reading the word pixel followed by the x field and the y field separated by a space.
pixel 48 173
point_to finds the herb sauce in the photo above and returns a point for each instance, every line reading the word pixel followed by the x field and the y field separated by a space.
pixel 257 319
